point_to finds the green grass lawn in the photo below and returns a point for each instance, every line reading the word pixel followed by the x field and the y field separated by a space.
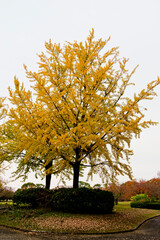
pixel 2 203
pixel 123 205
pixel 123 218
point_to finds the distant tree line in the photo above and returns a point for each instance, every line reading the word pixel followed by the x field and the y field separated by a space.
pixel 6 193
pixel 124 191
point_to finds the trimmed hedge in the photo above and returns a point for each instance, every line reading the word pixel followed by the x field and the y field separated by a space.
pixel 146 204
pixel 82 200
pixel 36 197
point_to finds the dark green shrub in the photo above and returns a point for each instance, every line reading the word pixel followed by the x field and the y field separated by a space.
pixel 82 200
pixel 146 204
pixel 36 197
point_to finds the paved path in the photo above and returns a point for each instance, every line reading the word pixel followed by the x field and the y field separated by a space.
pixel 148 231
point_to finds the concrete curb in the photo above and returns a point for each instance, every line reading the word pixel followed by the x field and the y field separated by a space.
pixel 49 232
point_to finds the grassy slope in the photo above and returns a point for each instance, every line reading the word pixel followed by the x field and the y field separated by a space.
pixel 123 218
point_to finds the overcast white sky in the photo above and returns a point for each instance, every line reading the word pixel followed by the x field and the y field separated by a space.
pixel 134 26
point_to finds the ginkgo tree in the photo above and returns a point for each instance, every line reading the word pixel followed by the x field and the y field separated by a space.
pixel 77 114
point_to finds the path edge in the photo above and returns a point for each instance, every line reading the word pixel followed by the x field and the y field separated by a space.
pixel 49 232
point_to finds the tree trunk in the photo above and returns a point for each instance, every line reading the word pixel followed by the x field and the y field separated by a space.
pixel 76 168
pixel 48 176
pixel 48 181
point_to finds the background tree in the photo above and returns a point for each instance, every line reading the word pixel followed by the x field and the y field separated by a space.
pixel 153 188
pixel 80 116
pixel 84 184
pixel 6 193
pixel 116 189
pixel 129 189
pixel 31 185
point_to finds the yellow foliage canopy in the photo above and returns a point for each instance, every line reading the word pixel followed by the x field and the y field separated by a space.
pixel 79 115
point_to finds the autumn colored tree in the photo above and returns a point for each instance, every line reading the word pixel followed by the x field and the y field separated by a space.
pixel 153 188
pixel 6 193
pixel 79 116
pixel 141 186
pixel 132 188
pixel 116 189
pixel 129 189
